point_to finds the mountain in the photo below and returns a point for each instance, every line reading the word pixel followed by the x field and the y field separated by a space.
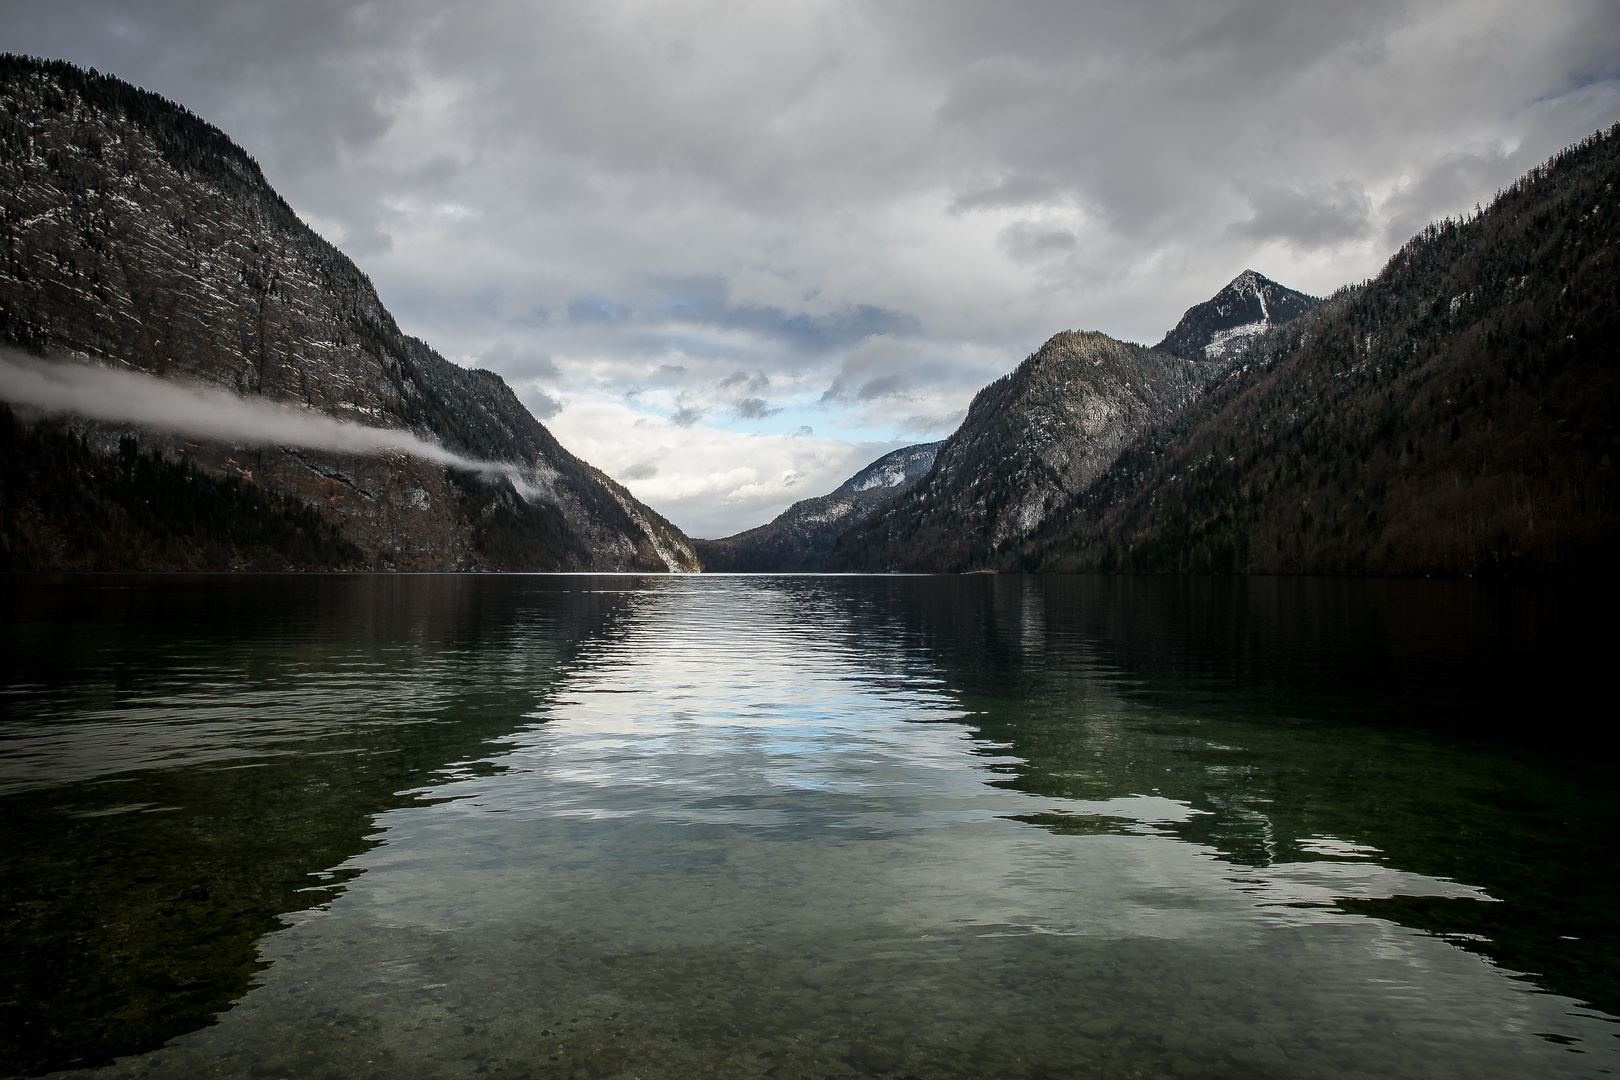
pixel 798 539
pixel 136 237
pixel 1457 414
pixel 1223 325
pixel 1030 440
pixel 895 469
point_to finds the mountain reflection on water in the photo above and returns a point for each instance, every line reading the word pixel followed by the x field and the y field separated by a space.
pixel 819 826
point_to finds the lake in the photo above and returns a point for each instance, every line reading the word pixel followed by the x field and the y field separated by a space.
pixel 792 827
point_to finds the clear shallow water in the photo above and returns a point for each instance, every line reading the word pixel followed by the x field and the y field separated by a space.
pixel 793 827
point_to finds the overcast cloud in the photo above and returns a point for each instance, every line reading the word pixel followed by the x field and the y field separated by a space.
pixel 730 252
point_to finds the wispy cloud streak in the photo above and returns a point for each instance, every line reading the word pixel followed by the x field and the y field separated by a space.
pixel 194 410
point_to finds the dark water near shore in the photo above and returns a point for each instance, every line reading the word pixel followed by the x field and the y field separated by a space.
pixel 448 826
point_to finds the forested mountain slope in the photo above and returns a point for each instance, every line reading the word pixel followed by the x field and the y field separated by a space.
pixel 133 234
pixel 798 539
pixel 1454 415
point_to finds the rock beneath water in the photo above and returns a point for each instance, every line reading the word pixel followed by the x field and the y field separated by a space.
pixel 822 975
pixel 876 1057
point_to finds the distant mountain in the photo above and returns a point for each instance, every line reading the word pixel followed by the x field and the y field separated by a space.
pixel 136 236
pixel 1223 325
pixel 1030 440
pixel 798 539
pixel 895 469
pixel 1458 414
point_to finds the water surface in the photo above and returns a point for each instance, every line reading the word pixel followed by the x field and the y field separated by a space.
pixel 793 827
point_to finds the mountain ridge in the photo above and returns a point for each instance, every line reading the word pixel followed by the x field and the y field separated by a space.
pixel 894 469
pixel 798 539
pixel 1029 438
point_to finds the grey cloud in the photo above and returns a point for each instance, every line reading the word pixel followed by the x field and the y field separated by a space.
pixel 931 424
pixel 1308 217
pixel 1136 107
pixel 1018 190
pixel 754 409
pixel 703 302
pixel 1448 187
pixel 686 416
pixel 641 470
pixel 879 368
pixel 756 381
pixel 844 392
pixel 804 431
pixel 1132 109
pixel 1137 111
pixel 895 384
pixel 437 171
pixel 1028 242
pixel 518 362
pixel 543 405
pixel 989 88
pixel 367 240
pixel 1243 29
pixel 525 367
pixel 596 309
pixel 694 316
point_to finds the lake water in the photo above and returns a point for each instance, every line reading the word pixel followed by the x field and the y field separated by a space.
pixel 604 826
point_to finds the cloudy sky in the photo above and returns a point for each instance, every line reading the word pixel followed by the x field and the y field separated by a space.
pixel 730 251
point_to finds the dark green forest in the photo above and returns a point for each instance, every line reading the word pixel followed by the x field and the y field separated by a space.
pixel 66 506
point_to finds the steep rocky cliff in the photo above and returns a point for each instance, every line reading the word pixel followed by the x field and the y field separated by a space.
pixel 798 539
pixel 137 236
pixel 1031 439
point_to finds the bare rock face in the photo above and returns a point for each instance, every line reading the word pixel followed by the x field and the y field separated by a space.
pixel 1031 440
pixel 798 539
pixel 135 235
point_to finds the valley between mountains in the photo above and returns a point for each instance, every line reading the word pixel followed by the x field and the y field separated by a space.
pixel 1453 415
